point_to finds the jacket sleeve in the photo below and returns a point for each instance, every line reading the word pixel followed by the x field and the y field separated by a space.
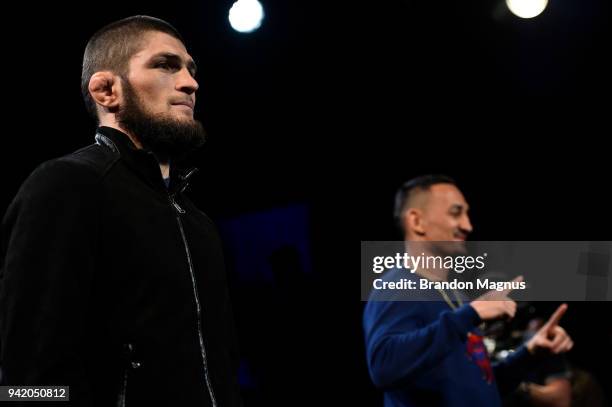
pixel 400 348
pixel 47 257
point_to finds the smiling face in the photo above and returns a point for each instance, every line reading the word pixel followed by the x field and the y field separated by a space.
pixel 439 213
pixel 445 217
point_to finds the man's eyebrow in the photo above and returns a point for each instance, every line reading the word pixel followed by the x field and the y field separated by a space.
pixel 191 65
pixel 458 207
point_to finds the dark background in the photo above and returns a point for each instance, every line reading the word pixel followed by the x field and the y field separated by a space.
pixel 316 119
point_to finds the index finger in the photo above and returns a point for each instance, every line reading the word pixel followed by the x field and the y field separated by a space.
pixel 507 291
pixel 554 319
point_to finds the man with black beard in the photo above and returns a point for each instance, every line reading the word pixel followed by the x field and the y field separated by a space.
pixel 112 281
pixel 166 137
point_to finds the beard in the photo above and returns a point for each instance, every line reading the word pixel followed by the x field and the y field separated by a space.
pixel 166 137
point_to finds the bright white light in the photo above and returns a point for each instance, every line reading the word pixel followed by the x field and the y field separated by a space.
pixel 526 8
pixel 245 15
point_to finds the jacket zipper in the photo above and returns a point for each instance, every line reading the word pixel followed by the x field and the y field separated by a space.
pixel 127 362
pixel 101 139
pixel 123 390
pixel 179 211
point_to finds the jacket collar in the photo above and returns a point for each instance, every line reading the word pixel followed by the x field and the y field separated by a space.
pixel 142 161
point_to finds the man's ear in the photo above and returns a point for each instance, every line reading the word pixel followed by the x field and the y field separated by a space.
pixel 105 90
pixel 413 221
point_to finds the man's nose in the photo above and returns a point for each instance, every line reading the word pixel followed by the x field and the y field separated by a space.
pixel 186 83
pixel 465 224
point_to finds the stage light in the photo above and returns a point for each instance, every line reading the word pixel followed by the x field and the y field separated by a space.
pixel 526 8
pixel 245 16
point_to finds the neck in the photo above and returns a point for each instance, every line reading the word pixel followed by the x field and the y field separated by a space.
pixel 165 170
pixel 421 248
pixel 112 122
pixel 164 167
pixel 433 274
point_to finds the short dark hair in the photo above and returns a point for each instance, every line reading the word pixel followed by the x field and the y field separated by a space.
pixel 418 184
pixel 111 48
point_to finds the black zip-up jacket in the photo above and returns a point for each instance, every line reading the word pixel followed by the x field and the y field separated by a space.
pixel 114 285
